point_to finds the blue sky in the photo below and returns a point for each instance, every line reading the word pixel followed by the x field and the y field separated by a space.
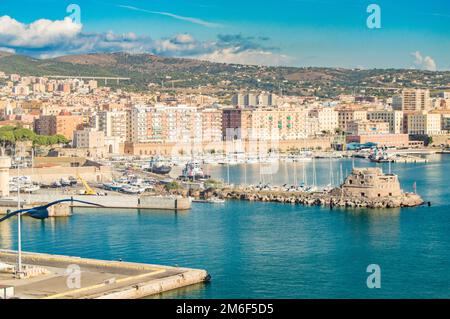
pixel 413 34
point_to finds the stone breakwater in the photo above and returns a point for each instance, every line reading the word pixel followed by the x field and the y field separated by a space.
pixel 322 199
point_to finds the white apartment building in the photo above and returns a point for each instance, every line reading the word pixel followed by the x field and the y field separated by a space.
pixel 327 119
pixel 169 124
pixel 424 123
pixel 394 118
pixel 138 129
pixel 113 123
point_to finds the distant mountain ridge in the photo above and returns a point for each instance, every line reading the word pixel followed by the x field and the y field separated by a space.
pixel 182 73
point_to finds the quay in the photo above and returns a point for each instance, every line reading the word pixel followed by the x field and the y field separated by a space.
pixel 64 277
pixel 124 202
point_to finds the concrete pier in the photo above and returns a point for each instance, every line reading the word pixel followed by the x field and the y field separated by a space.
pixel 173 203
pixel 79 278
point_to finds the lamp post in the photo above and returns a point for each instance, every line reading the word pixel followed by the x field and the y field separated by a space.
pixel 38 212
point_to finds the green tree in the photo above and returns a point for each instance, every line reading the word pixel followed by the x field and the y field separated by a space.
pixel 7 137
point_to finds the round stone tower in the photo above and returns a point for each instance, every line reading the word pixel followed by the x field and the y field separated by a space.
pixel 5 164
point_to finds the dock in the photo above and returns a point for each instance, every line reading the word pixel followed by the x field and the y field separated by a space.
pixel 65 277
pixel 125 202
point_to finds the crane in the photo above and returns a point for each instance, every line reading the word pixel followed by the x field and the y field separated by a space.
pixel 87 189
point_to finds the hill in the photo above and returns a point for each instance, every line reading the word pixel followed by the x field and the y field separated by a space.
pixel 193 75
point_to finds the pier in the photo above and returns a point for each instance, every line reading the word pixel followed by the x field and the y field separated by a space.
pixel 64 277
pixel 124 202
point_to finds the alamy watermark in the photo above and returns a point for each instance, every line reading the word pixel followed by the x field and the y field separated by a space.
pixel 75 13
pixel 73 280
pixel 374 279
pixel 374 19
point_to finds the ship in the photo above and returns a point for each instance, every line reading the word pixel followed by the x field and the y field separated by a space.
pixel 193 172
pixel 157 167
pixel 380 156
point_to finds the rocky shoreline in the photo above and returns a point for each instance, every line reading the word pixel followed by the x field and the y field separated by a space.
pixel 322 199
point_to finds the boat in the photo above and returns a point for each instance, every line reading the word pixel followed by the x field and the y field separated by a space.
pixel 73 181
pixel 56 184
pixel 216 200
pixel 30 188
pixel 252 159
pixel 113 186
pixel 193 172
pixel 380 156
pixel 157 167
pixel 213 200
pixel 133 190
pixel 65 182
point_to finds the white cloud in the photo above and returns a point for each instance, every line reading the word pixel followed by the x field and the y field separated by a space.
pixel 47 39
pixel 7 50
pixel 426 63
pixel 255 57
pixel 38 34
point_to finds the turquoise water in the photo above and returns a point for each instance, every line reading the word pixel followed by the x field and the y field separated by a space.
pixel 260 250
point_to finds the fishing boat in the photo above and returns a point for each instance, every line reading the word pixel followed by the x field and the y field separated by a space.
pixel 156 166
pixel 193 172
pixel 113 186
pixel 133 190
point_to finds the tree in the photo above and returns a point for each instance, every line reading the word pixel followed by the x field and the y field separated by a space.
pixel 172 186
pixel 7 137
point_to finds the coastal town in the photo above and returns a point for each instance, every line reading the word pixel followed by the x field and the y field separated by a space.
pixel 76 136
pixel 235 157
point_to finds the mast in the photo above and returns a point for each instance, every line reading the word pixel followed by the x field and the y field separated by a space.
pixel 295 173
pixel 331 173
pixel 314 173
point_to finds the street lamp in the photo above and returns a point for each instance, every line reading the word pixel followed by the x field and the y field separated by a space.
pixel 38 212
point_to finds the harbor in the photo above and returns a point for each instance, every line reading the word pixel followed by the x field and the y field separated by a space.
pixel 160 184
pixel 297 244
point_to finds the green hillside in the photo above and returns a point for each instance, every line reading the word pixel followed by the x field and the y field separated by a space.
pixel 177 74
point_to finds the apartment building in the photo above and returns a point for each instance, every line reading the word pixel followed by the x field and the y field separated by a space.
pixel 64 124
pixel 253 99
pixel 88 138
pixel 424 123
pixel 347 115
pixel 364 127
pixel 211 125
pixel 394 118
pixel 113 124
pixel 415 100
pixel 327 118
pixel 174 124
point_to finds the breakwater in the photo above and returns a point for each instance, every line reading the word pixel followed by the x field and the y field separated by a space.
pixel 363 187
pixel 321 199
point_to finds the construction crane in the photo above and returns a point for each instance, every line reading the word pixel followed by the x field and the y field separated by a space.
pixel 87 189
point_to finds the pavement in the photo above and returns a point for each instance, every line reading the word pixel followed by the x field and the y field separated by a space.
pixel 97 278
